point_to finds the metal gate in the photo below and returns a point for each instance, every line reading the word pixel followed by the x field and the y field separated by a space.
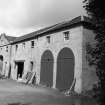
pixel 65 69
pixel 46 73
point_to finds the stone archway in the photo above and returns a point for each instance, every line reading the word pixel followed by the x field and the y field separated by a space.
pixel 65 69
pixel 46 73
pixel 1 63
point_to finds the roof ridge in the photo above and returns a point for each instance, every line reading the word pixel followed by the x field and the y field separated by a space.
pixel 59 25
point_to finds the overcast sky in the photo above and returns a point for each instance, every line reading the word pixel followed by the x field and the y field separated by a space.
pixel 18 17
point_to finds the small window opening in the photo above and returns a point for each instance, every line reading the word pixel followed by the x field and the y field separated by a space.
pixel 48 39
pixel 16 47
pixel 24 45
pixel 32 44
pixel 6 48
pixel 66 35
pixel 31 68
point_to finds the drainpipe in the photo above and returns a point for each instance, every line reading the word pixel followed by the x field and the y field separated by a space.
pixel 10 52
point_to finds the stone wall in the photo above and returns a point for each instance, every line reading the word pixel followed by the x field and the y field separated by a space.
pixel 28 54
pixel 79 36
pixel 5 50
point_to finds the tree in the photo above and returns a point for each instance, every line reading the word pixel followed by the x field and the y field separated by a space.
pixel 96 11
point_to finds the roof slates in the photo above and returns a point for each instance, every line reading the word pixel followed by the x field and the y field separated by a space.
pixel 53 27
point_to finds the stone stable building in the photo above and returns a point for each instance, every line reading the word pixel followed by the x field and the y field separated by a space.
pixel 56 54
pixel 5 51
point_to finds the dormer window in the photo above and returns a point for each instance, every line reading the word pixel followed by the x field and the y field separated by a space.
pixel 32 44
pixel 66 35
pixel 48 39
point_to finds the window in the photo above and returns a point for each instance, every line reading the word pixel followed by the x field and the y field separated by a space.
pixel 66 35
pixel 48 39
pixel 32 44
pixel 6 48
pixel 24 45
pixel 37 37
pixel 16 47
pixel 31 68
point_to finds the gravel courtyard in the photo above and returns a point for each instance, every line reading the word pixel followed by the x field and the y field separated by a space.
pixel 14 93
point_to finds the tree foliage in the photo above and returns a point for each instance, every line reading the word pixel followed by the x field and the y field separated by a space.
pixel 96 11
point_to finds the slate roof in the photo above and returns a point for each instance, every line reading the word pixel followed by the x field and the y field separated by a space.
pixel 10 38
pixel 58 26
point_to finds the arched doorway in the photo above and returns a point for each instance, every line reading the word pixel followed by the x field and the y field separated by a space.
pixel 46 73
pixel 65 69
pixel 1 63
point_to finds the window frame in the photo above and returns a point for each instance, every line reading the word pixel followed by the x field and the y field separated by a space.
pixel 23 44
pixel 6 48
pixel 66 35
pixel 48 39
pixel 16 47
pixel 32 44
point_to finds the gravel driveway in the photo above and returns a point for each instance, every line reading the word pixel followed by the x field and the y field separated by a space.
pixel 13 93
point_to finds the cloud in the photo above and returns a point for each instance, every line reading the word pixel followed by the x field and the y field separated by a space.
pixel 61 10
pixel 16 16
pixel 20 13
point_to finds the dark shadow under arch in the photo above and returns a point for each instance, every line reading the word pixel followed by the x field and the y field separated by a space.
pixel 65 69
pixel 46 73
pixel 1 63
